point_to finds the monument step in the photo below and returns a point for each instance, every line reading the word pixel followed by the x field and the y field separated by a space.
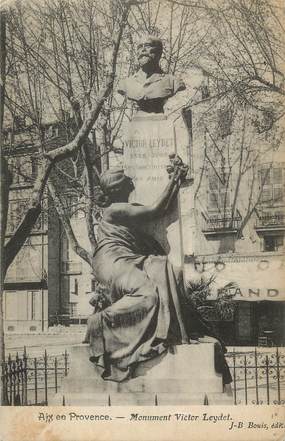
pixel 138 385
pixel 183 375
pixel 180 362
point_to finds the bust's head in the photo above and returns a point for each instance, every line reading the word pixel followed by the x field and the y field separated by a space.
pixel 149 51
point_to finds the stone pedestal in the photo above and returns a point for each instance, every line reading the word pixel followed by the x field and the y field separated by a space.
pixel 147 145
pixel 149 141
pixel 182 376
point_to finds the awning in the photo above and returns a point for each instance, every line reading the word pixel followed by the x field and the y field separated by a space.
pixel 257 278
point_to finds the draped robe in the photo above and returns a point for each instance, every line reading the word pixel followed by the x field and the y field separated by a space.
pixel 146 315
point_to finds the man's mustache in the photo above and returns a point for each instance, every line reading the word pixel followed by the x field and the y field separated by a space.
pixel 145 55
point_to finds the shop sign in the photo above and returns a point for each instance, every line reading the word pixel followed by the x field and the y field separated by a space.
pixel 255 278
pixel 254 294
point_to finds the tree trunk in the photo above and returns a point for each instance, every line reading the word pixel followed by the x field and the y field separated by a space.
pixel 3 193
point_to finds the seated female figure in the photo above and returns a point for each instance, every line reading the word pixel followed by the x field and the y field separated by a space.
pixel 148 311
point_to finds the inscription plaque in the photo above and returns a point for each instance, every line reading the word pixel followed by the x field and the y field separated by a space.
pixel 147 146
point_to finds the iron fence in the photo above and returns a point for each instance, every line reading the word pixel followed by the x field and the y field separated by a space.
pixel 215 224
pixel 270 220
pixel 31 381
pixel 258 376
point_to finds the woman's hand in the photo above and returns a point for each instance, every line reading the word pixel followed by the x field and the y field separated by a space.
pixel 177 170
pixel 126 213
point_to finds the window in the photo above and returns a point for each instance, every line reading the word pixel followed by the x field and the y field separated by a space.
pixel 23 169
pixel 272 185
pixel 33 305
pixel 66 246
pixel 75 287
pixel 73 309
pixel 16 213
pixel 218 192
pixel 19 122
pixel 273 243
pixel 11 305
pixel 12 217
pixel 49 132
pixel 38 224
pixel 16 170
pixel 34 167
pixel 225 120
pixel 72 205
pixel 93 285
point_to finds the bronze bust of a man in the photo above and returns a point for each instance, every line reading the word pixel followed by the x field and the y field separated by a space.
pixel 150 87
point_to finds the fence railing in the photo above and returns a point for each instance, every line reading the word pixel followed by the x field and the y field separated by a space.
pixel 258 376
pixel 31 381
pixel 215 224
pixel 270 220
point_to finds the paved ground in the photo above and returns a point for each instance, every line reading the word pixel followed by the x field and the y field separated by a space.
pixel 55 341
pixel 60 338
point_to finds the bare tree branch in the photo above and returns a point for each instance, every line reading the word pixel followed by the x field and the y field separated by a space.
pixel 78 249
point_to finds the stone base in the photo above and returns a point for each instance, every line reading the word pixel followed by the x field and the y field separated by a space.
pixel 184 375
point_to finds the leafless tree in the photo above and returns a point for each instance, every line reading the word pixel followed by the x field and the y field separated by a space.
pixel 231 182
pixel 54 57
pixel 4 184
pixel 242 55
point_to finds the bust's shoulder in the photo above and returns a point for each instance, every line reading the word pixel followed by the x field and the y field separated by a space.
pixel 169 81
pixel 159 85
pixel 176 82
pixel 130 83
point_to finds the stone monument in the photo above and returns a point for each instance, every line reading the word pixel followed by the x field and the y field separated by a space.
pixel 139 345
pixel 150 139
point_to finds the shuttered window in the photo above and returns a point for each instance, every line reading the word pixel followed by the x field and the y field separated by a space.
pixel 219 198
pixel 272 181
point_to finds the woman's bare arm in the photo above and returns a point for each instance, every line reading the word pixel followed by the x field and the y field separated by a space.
pixel 126 213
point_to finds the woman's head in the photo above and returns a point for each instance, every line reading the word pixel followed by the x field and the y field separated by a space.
pixel 116 186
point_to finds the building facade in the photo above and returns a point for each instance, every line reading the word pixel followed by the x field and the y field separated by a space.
pixel 26 284
pixel 239 220
pixel 32 286
pixel 77 280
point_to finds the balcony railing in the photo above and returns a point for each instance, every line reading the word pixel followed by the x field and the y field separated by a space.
pixel 272 221
pixel 216 225
pixel 71 267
